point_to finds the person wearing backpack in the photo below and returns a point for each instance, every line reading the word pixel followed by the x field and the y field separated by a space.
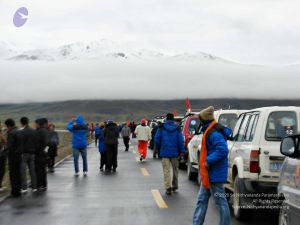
pixel 53 143
pixel 111 135
pixel 169 140
pixel 213 167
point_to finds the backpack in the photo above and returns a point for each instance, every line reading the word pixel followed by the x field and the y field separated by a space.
pixel 218 128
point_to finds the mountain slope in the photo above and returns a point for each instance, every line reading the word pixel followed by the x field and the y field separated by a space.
pixel 122 110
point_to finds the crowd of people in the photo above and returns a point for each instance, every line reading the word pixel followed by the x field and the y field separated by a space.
pixel 27 149
pixel 34 149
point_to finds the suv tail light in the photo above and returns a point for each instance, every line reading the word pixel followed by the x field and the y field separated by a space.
pixel 254 161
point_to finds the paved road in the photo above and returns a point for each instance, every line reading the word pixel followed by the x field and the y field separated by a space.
pixel 129 197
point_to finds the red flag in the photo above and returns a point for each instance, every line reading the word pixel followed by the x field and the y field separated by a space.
pixel 175 113
pixel 188 105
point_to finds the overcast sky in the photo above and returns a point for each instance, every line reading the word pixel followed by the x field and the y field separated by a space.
pixel 248 31
pixel 265 32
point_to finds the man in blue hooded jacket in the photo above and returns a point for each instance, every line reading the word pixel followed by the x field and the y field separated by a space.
pixel 216 163
pixel 169 141
pixel 79 131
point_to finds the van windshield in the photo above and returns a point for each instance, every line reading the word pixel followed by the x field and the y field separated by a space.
pixel 280 125
pixel 228 120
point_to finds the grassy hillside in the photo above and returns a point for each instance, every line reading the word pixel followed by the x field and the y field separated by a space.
pixel 122 110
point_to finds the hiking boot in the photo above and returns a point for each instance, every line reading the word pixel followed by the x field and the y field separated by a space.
pixel 101 169
pixel 141 158
pixel 34 190
pixel 85 173
pixel 76 174
pixel 169 191
pixel 114 170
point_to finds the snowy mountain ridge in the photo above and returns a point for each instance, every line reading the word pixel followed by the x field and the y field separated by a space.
pixel 102 49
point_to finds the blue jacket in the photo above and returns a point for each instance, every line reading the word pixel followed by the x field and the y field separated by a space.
pixel 217 154
pixel 79 131
pixel 97 130
pixel 101 144
pixel 169 140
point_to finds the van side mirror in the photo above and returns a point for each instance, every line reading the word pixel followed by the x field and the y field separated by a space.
pixel 289 146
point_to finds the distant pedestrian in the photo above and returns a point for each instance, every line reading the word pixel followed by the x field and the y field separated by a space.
pixel 133 127
pixel 143 133
pixel 213 168
pixel 3 158
pixel 125 133
pixel 28 155
pixel 41 156
pixel 169 140
pixel 14 146
pixel 152 144
pixel 101 147
pixel 111 135
pixel 97 133
pixel 79 131
pixel 53 142
pixel 92 128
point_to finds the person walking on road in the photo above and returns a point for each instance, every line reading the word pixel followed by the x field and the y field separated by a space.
pixel 41 155
pixel 111 135
pixel 14 146
pixel 169 140
pixel 3 158
pixel 152 144
pixel 213 167
pixel 125 132
pixel 28 155
pixel 101 147
pixel 79 131
pixel 53 139
pixel 97 133
pixel 143 134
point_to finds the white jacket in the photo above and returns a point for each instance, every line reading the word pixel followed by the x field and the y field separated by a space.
pixel 143 133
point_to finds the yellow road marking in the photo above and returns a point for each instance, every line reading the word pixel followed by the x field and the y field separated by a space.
pixel 145 172
pixel 159 199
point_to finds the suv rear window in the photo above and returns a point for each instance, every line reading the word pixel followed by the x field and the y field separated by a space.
pixel 228 120
pixel 281 124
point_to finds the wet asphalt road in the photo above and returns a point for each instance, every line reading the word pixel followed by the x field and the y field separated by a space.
pixel 124 198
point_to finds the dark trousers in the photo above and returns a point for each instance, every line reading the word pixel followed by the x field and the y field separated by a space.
pixel 41 170
pixel 2 167
pixel 96 139
pixel 14 162
pixel 112 156
pixel 126 142
pixel 103 159
pixel 51 162
pixel 28 160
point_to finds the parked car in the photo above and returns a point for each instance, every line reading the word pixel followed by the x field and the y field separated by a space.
pixel 289 182
pixel 190 125
pixel 227 118
pixel 254 154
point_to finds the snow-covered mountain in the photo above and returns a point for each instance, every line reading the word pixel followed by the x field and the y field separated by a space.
pixel 103 49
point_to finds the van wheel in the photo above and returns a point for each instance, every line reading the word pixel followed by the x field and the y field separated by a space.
pixel 238 211
pixel 192 175
pixel 283 215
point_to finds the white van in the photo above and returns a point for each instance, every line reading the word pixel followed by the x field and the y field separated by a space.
pixel 227 118
pixel 254 154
